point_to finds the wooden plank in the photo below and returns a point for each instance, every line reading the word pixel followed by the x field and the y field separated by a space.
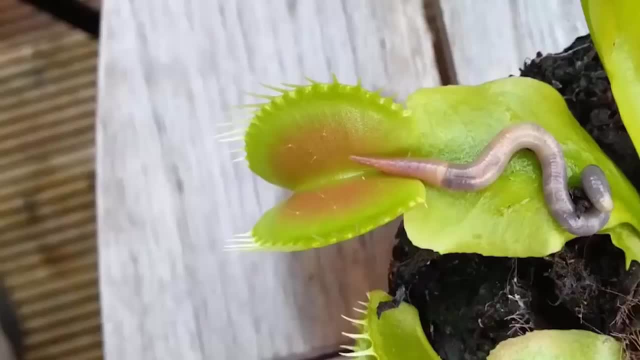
pixel 48 245
pixel 168 193
pixel 491 39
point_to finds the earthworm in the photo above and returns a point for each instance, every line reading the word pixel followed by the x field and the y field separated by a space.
pixel 483 171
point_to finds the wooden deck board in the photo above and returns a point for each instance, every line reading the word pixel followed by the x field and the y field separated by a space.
pixel 47 206
pixel 168 193
pixel 491 39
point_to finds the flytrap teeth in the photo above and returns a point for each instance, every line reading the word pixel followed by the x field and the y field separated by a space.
pixel 349 347
pixel 240 247
pixel 238 159
pixel 311 80
pixel 368 352
pixel 275 88
pixel 292 86
pixel 241 240
pixel 357 336
pixel 229 133
pixel 235 138
pixel 359 322
pixel 249 106
pixel 359 349
pixel 262 96
pixel 243 235
pixel 232 123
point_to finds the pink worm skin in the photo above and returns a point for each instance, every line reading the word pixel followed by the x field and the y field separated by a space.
pixel 483 171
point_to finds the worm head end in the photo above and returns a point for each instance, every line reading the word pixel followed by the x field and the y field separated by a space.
pixel 606 203
pixel 597 188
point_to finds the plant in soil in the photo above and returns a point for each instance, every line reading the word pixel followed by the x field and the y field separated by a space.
pixel 478 272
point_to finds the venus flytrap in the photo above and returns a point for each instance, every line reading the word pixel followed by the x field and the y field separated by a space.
pixel 395 334
pixel 302 140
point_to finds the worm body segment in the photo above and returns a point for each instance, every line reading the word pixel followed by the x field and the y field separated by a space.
pixel 494 158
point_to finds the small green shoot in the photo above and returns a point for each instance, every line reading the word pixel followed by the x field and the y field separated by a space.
pixel 396 335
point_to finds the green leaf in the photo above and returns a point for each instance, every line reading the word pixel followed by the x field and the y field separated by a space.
pixel 510 217
pixel 335 212
pixel 626 238
pixel 558 345
pixel 302 139
pixel 397 334
pixel 615 32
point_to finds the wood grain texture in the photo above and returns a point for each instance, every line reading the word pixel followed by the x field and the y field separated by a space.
pixel 168 193
pixel 492 39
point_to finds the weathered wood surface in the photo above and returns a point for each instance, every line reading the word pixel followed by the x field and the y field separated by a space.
pixel 168 193
pixel 492 39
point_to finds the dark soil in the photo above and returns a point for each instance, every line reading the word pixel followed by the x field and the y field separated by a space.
pixel 468 303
